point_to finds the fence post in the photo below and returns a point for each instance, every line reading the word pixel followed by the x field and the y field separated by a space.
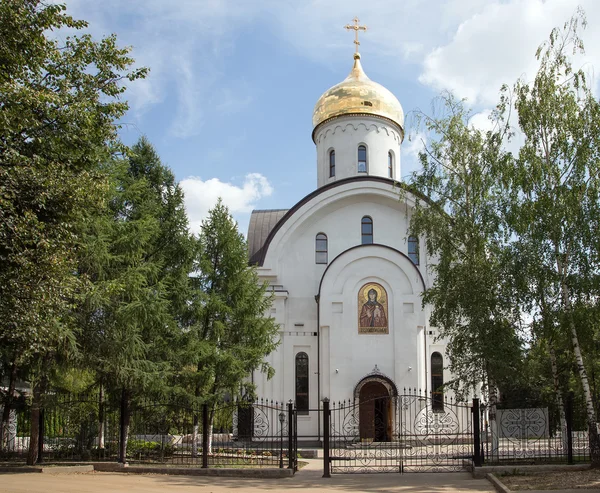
pixel 204 436
pixel 40 458
pixel 569 417
pixel 476 433
pixel 290 436
pixel 326 432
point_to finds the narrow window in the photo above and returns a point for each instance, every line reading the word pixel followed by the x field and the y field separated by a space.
pixel 331 163
pixel 437 382
pixel 321 249
pixel 302 383
pixel 366 230
pixel 413 249
pixel 390 165
pixel 362 159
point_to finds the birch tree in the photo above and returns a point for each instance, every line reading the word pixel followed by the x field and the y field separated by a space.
pixel 555 207
pixel 471 303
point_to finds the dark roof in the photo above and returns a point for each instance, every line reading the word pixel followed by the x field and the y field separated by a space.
pixel 261 224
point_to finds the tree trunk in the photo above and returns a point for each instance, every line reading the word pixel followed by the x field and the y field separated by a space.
pixel 559 400
pixel 101 418
pixel 594 437
pixel 125 417
pixel 211 418
pixel 4 425
pixel 195 436
pixel 32 453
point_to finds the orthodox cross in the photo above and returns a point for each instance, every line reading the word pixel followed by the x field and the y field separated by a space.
pixel 355 28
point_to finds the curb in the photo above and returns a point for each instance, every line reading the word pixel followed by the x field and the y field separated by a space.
pixel 175 471
pixel 47 469
pixel 186 471
pixel 499 485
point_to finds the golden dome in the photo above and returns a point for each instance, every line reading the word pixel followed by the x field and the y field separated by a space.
pixel 357 94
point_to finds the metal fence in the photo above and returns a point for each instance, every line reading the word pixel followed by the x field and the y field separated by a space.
pixel 88 428
pixel 533 435
pixel 408 432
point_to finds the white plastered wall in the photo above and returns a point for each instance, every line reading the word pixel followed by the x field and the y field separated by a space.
pixel 290 262
pixel 344 134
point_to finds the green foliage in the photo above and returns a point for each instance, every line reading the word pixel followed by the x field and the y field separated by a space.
pixel 554 203
pixel 145 449
pixel 470 298
pixel 230 334
pixel 138 255
pixel 60 102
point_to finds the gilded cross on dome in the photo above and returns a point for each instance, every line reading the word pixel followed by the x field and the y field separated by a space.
pixel 355 28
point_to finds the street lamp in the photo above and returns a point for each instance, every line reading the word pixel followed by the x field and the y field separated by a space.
pixel 281 421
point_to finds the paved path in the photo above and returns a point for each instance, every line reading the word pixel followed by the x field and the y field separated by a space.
pixel 307 480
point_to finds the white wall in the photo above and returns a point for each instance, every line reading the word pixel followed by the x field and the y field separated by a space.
pixel 344 134
pixel 290 262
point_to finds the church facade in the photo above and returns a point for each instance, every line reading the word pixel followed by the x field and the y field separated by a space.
pixel 346 276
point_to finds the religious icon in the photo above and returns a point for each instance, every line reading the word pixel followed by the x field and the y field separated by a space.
pixel 373 309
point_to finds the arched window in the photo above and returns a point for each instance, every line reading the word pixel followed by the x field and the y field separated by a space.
pixel 302 383
pixel 413 249
pixel 437 381
pixel 321 248
pixel 331 163
pixel 390 165
pixel 366 230
pixel 362 159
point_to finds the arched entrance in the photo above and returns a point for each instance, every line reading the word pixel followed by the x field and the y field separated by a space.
pixel 375 412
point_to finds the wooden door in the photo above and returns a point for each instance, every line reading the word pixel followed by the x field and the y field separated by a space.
pixel 375 415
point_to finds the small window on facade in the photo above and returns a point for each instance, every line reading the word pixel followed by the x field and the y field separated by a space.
pixel 331 163
pixel 437 382
pixel 390 165
pixel 362 159
pixel 302 383
pixel 366 230
pixel 321 249
pixel 413 249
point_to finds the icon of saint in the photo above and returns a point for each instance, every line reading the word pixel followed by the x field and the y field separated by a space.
pixel 372 313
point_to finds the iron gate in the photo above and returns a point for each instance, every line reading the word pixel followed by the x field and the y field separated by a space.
pixel 405 433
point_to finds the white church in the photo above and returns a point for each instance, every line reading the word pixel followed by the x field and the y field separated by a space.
pixel 347 277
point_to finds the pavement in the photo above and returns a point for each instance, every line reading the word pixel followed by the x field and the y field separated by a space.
pixel 308 479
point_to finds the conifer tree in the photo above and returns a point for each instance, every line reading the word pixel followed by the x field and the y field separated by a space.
pixel 138 257
pixel 59 104
pixel 232 332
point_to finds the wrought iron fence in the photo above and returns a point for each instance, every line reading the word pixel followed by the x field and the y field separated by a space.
pixel 408 432
pixel 71 427
pixel 533 435
pixel 86 428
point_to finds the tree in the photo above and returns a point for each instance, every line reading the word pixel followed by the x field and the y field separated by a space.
pixel 138 257
pixel 231 330
pixel 470 299
pixel 58 106
pixel 555 199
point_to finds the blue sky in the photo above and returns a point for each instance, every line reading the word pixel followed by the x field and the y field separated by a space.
pixel 233 83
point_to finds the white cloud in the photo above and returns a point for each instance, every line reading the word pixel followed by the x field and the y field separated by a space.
pixel 481 121
pixel 411 148
pixel 497 45
pixel 470 47
pixel 202 195
pixel 414 144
